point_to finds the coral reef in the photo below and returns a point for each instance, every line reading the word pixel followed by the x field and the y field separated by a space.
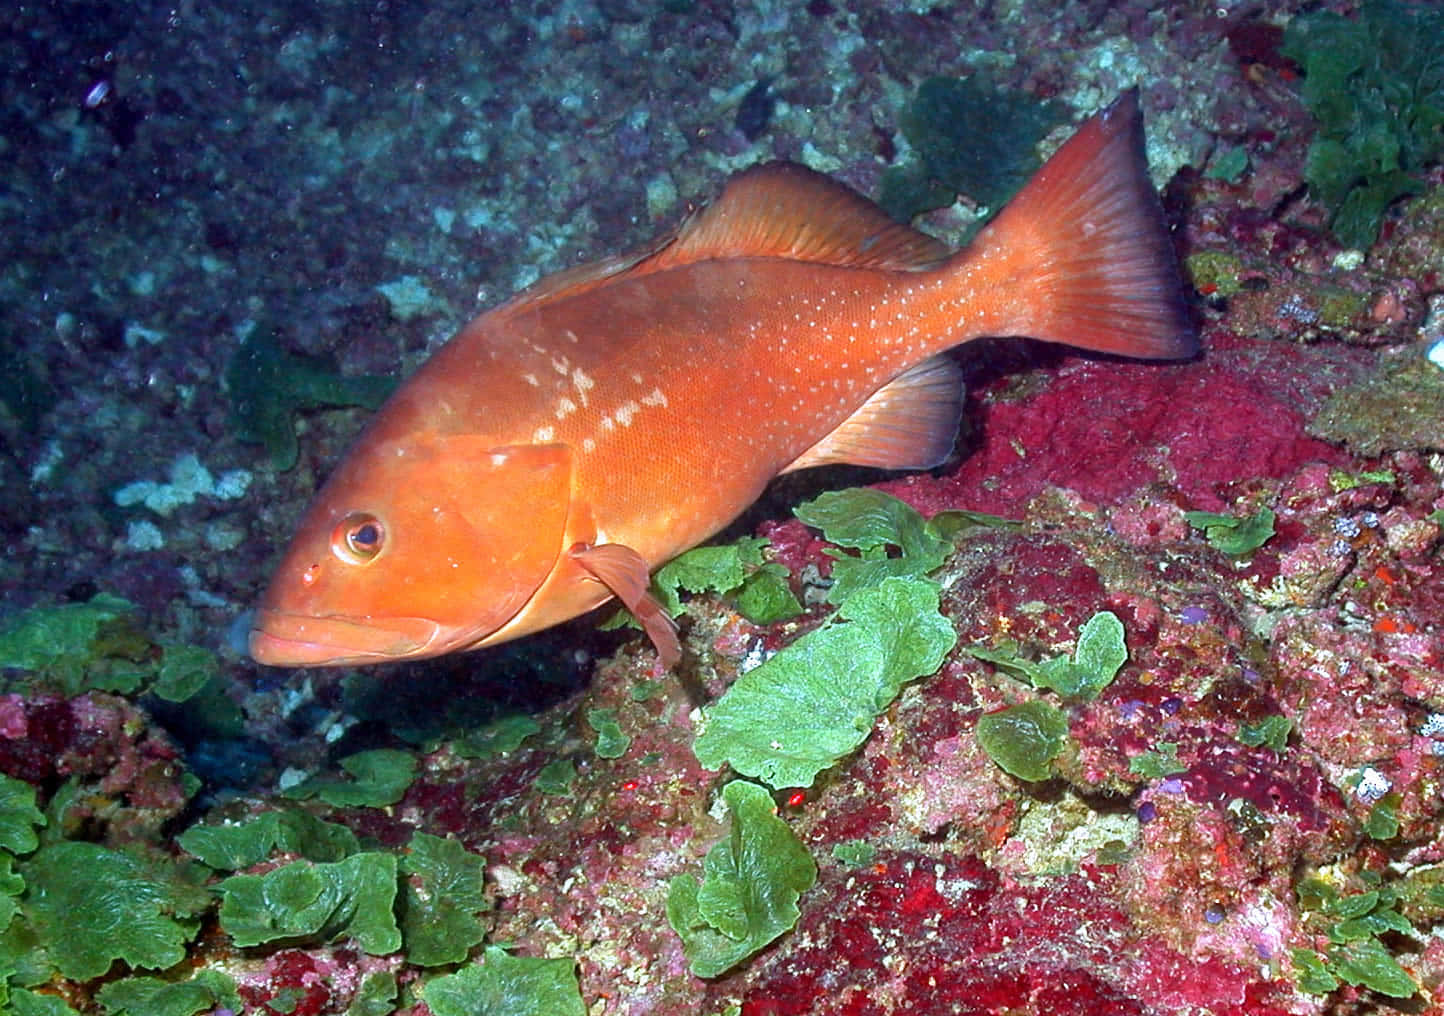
pixel 1243 816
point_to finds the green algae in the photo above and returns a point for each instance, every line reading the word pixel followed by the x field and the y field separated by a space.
pixel 854 853
pixel 88 906
pixel 556 778
pixel 1271 732
pixel 1232 534
pixel 751 883
pixel 506 985
pixel 377 778
pixel 1398 407
pixel 99 645
pixel 1375 85
pixel 233 847
pixel 152 996
pixel 19 817
pixel 816 701
pixel 611 741
pixel 1100 653
pixel 735 570
pixel 376 996
pixel 1214 272
pixel 309 902
pixel 499 737
pixel 269 386
pixel 441 901
pixel 1024 739
pixel 970 138
pixel 1352 923
pixel 879 535
pixel 1158 762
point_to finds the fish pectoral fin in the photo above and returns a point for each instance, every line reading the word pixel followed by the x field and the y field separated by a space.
pixel 622 570
pixel 909 423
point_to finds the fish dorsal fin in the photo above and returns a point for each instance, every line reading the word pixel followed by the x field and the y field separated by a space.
pixel 578 279
pixel 783 210
pixel 909 423
pixel 776 210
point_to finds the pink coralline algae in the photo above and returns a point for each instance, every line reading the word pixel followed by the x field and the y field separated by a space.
pixel 1107 431
pixel 129 771
pixel 934 934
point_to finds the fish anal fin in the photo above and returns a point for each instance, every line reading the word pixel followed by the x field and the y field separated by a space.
pixel 909 423
pixel 623 571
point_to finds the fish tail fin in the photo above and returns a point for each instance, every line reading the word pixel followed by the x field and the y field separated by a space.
pixel 1082 255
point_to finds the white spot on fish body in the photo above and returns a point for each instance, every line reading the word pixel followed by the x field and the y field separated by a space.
pixel 565 407
pixel 542 435
pixel 654 398
pixel 583 384
pixel 625 412
pixel 588 444
pixel 531 380
pixel 561 365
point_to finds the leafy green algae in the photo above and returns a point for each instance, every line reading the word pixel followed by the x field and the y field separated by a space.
pixel 78 646
pixel 18 816
pixel 1024 739
pixel 376 996
pixel 441 900
pixel 1099 655
pixel 1375 84
pixel 151 996
pixel 611 742
pixel 737 571
pixel 505 985
pixel 816 701
pixel 233 847
pixel 377 778
pixel 98 645
pixel 881 535
pixel 308 902
pixel 750 886
pixel 970 138
pixel 1352 924
pixel 1232 534
pixel 269 386
pixel 91 906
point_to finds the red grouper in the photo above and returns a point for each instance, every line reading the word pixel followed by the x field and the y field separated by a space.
pixel 611 416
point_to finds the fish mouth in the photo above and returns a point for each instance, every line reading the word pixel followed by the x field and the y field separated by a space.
pixel 281 639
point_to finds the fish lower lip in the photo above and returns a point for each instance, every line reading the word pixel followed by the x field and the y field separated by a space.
pixel 288 640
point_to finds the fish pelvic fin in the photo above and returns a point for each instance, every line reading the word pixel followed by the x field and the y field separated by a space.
pixel 1082 253
pixel 623 571
pixel 909 423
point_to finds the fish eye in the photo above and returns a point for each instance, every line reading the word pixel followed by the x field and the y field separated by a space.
pixel 358 538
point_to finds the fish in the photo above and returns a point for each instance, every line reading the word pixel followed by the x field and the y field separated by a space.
pixel 579 435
